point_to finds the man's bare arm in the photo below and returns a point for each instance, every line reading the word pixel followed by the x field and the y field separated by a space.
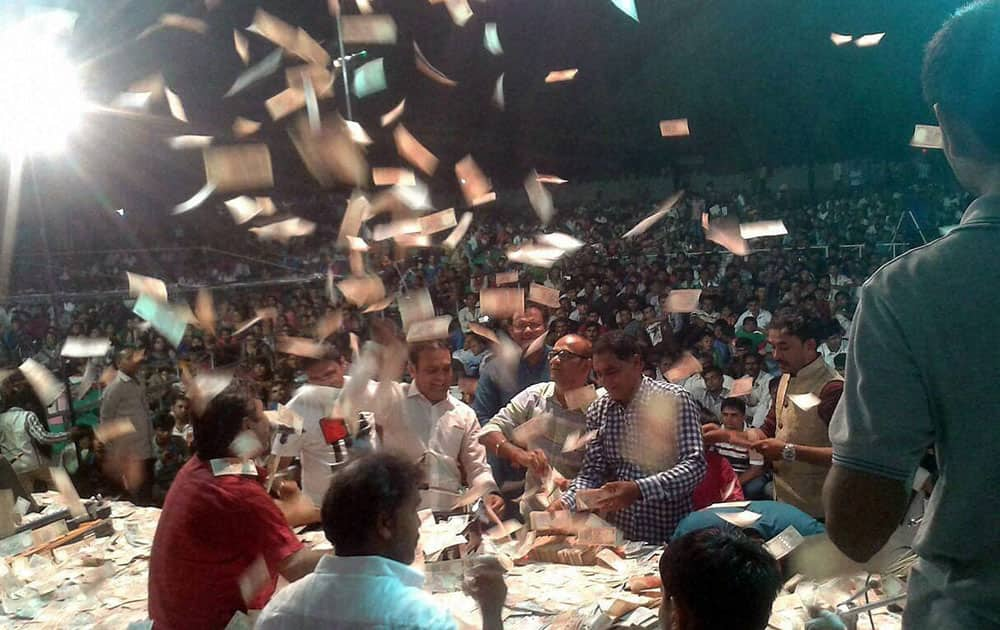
pixel 862 510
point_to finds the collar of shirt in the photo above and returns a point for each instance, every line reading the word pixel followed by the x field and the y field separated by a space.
pixel 232 466
pixel 370 566
pixel 446 404
pixel 983 209
pixel 124 377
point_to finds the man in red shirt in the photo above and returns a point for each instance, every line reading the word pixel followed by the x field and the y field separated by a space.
pixel 220 534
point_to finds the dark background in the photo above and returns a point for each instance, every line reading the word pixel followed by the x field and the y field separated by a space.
pixel 760 82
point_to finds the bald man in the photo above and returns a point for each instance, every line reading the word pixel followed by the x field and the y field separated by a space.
pixel 539 448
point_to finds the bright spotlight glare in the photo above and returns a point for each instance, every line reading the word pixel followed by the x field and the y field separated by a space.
pixel 41 103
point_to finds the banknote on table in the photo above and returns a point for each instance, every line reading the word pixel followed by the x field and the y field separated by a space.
pixel 85 347
pixel 759 229
pixel 682 301
pixel 612 560
pixel 501 303
pixel 428 70
pixel 471 179
pixel 368 29
pixel 805 402
pixel 541 294
pixel 411 150
pixel 456 235
pixel 393 114
pixel 438 222
pixel 927 137
pixel 145 285
pixel 674 128
pixel 330 155
pixel 741 387
pixel 429 329
pixel 581 397
pixel 557 76
pixel 67 491
pixel 784 543
pixel 597 535
pixel 415 306
pixel 238 167
pixel 506 529
pixel 388 176
pixel 46 385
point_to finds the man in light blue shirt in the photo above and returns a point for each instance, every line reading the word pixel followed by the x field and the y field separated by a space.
pixel 370 516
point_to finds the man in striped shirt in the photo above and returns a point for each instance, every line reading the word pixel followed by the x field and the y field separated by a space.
pixel 747 464
pixel 648 455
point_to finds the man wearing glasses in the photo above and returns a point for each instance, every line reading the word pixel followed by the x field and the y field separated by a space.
pixel 557 422
pixel 642 467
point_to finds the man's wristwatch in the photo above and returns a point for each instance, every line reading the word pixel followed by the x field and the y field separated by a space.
pixel 788 452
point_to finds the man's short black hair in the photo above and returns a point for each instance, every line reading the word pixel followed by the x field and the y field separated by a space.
pixel 736 404
pixel 699 565
pixel 366 487
pixel 329 352
pixel 798 325
pixel 623 346
pixel 416 349
pixel 710 369
pixel 163 421
pixel 221 421
pixel 961 72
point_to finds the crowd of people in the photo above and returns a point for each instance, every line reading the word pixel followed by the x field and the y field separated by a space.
pixel 615 400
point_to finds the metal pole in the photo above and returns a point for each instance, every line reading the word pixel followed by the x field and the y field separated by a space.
pixel 343 67
pixel 14 169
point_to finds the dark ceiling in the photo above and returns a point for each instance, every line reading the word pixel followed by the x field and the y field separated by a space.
pixel 760 82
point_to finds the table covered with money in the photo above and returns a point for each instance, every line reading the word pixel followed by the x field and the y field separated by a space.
pixel 585 581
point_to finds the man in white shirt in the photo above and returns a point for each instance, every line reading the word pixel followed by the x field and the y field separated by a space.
pixel 369 583
pixel 469 313
pixel 422 422
pixel 755 310
pixel 315 402
pixel 910 388
pixel 759 401
pixel 832 348
pixel 555 420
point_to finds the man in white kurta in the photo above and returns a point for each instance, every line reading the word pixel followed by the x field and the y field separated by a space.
pixel 421 421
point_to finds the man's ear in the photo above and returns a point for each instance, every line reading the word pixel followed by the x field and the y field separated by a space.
pixel 958 139
pixel 384 527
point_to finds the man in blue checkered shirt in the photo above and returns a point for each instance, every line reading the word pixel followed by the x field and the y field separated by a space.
pixel 648 456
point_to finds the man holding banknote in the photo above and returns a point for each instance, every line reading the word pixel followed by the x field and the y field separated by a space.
pixel 647 457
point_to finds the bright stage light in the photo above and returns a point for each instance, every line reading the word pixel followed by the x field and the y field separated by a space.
pixel 41 102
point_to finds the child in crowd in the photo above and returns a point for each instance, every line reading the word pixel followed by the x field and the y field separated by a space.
pixel 170 451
